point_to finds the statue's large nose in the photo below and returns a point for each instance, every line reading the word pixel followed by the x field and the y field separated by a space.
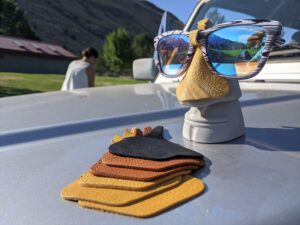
pixel 200 82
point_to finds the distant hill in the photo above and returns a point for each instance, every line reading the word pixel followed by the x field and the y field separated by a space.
pixel 13 22
pixel 76 24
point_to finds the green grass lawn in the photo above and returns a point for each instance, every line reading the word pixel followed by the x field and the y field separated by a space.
pixel 236 53
pixel 21 83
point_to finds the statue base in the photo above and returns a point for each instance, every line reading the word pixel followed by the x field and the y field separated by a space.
pixel 215 120
pixel 214 124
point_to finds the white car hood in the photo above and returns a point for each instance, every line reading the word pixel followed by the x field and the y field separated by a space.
pixel 48 140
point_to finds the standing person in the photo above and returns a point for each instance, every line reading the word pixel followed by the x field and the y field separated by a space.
pixel 80 73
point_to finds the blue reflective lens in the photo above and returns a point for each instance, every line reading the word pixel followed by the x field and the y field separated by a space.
pixel 172 52
pixel 236 51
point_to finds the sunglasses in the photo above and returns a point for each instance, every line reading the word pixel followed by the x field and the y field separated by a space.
pixel 237 49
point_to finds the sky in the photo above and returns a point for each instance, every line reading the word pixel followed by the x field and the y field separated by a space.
pixel 180 8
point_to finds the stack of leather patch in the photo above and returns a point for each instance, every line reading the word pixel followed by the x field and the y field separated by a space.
pixel 141 175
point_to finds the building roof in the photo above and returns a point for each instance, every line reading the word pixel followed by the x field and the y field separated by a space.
pixel 32 47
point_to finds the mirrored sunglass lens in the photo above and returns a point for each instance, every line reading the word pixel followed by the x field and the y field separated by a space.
pixel 236 51
pixel 172 52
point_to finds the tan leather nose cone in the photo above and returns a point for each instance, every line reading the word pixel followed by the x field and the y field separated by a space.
pixel 89 180
pixel 189 188
pixel 100 169
pixel 151 165
pixel 200 82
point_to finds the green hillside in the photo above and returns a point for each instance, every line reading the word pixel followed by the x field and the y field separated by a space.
pixel 13 21
pixel 76 24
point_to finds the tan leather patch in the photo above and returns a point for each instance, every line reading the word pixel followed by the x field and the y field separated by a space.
pixel 151 165
pixel 200 82
pixel 89 180
pixel 189 188
pixel 100 169
pixel 113 197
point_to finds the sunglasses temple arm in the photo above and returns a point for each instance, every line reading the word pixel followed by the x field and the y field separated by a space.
pixel 191 50
pixel 279 42
pixel 257 55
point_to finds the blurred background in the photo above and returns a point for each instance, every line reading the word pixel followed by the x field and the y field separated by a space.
pixel 38 38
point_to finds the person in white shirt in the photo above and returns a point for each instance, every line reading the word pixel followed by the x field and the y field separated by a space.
pixel 80 73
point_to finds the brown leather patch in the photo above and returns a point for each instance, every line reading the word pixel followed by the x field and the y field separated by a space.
pixel 100 169
pixel 151 165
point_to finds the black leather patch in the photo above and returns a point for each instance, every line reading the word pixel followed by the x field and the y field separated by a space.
pixel 151 148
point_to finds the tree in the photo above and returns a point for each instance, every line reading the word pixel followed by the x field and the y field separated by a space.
pixel 142 46
pixel 100 65
pixel 13 21
pixel 117 52
pixel 215 17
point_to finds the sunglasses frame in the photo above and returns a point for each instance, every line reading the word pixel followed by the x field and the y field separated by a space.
pixel 271 27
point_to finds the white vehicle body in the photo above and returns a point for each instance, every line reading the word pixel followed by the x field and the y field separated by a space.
pixel 48 140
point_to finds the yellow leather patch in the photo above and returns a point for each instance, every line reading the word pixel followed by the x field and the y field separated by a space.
pixel 127 133
pixel 136 131
pixel 117 138
pixel 90 180
pixel 190 187
pixel 131 133
pixel 200 82
pixel 113 197
pixel 203 24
